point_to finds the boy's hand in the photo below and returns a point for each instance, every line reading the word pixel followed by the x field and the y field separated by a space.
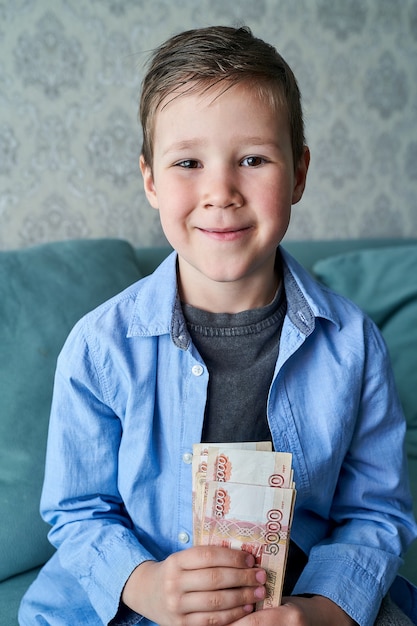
pixel 299 611
pixel 201 585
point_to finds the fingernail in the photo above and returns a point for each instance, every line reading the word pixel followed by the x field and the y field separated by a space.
pixel 250 560
pixel 261 576
pixel 260 592
pixel 248 608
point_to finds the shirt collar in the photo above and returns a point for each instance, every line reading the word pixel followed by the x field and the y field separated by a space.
pixel 306 298
pixel 155 301
pixel 157 309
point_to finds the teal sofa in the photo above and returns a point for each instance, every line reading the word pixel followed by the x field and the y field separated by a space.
pixel 45 289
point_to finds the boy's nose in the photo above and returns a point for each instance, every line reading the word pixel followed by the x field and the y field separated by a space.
pixel 222 192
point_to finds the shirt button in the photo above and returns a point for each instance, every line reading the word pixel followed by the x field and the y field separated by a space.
pixel 183 537
pixel 197 370
pixel 187 457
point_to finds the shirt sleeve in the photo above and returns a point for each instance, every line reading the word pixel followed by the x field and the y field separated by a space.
pixel 371 513
pixel 90 526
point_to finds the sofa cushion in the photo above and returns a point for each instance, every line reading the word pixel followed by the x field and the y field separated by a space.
pixel 383 282
pixel 44 290
pixel 11 593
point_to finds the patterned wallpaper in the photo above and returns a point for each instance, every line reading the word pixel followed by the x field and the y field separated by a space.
pixel 70 72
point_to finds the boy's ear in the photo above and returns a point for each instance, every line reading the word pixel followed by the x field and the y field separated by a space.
pixel 148 183
pixel 301 176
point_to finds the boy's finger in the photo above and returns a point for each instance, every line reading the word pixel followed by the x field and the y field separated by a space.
pixel 202 557
pixel 221 600
pixel 217 578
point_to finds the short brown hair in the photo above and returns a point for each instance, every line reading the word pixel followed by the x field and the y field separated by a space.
pixel 201 58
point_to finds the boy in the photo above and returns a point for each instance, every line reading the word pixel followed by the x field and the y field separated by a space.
pixel 229 340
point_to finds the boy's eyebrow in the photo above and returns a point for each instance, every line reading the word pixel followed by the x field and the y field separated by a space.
pixel 185 144
pixel 189 144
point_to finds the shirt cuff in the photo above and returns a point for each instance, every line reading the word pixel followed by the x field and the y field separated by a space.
pixel 333 571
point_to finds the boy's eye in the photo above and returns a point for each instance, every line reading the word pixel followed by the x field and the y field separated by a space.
pixel 188 164
pixel 252 161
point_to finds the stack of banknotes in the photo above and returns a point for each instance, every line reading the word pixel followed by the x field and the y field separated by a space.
pixel 243 498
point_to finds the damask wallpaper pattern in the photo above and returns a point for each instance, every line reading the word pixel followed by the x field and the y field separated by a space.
pixel 70 73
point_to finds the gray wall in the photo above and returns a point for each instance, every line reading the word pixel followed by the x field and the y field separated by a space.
pixel 70 74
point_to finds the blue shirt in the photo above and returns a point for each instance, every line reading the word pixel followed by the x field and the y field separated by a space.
pixel 129 399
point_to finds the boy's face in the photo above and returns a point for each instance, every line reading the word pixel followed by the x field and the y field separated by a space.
pixel 223 180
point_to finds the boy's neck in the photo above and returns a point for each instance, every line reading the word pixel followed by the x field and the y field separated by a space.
pixel 230 297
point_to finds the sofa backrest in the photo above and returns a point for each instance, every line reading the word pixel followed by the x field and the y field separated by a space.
pixel 44 290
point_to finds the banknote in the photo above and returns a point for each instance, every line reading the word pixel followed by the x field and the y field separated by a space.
pixel 199 471
pixel 249 466
pixel 243 498
pixel 201 450
pixel 253 518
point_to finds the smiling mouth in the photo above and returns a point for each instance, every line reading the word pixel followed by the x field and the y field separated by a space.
pixel 225 234
pixel 225 231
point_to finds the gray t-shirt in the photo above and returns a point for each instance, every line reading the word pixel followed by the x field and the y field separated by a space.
pixel 240 351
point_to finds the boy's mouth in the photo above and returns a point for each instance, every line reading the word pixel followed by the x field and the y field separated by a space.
pixel 225 234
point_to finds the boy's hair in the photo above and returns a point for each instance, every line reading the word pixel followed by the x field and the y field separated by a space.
pixel 201 58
